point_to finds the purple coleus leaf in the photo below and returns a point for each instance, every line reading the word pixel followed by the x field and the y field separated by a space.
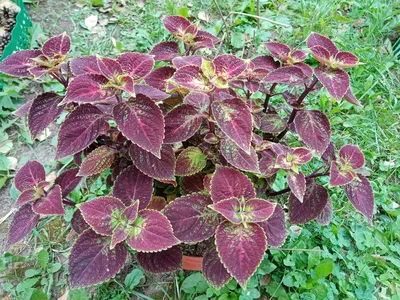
pixel 99 160
pixel 195 60
pixel 158 78
pixel 287 75
pixel 192 78
pixel 78 222
pixel 18 63
pixel 229 66
pixel 92 261
pixel 233 241
pixel 165 51
pixel 27 196
pixel 361 195
pixel 181 123
pixel 80 129
pixel 239 158
pixel 23 109
pixel 227 183
pixel 161 262
pixel 123 226
pixel 68 181
pixel 314 129
pixel 325 217
pixel 22 224
pixel 149 91
pixel 193 184
pixel 314 201
pixel 315 39
pixel 267 163
pixel 136 65
pixel 279 50
pixel 200 101
pixel 57 46
pixel 213 269
pixel 84 65
pixel 88 88
pixel 152 232
pixel 29 176
pixel 43 111
pixel 275 227
pixel 297 184
pixel 190 161
pixel 233 117
pixel 329 154
pixel 132 185
pixel 351 156
pixel 110 68
pixel 272 123
pixel 157 203
pixel 258 210
pixel 176 24
pixel 50 204
pixel 206 34
pixel 345 60
pixel 230 209
pixel 141 121
pixel 340 175
pixel 191 219
pixel 337 82
pixel 161 169
pixel 349 97
pixel 98 213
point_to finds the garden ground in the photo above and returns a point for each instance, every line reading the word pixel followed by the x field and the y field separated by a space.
pixel 353 259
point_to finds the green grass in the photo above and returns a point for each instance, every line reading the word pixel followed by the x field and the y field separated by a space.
pixel 365 257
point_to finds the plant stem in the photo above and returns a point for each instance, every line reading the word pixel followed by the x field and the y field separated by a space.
pixel 268 96
pixel 223 19
pixel 297 249
pixel 68 202
pixel 294 111
pixel 262 18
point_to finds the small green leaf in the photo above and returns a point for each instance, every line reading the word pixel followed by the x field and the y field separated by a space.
pixel 78 294
pixel 32 272
pixel 320 291
pixel 237 40
pixel 43 258
pixel 34 294
pixel 54 267
pixel 323 269
pixel 190 284
pixel 133 278
pixel 183 11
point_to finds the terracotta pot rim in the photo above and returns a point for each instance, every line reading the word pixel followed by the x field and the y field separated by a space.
pixel 192 263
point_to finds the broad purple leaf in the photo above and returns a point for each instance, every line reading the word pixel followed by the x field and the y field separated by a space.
pixel 297 184
pixel 239 158
pixel 158 77
pixel 192 78
pixel 272 123
pixel 51 204
pixel 191 219
pixel 122 229
pixel 213 269
pixel 160 169
pixel 229 66
pixel 88 88
pixel 43 112
pixel 258 210
pixel 97 161
pixel 241 249
pixel 227 183
pixel 68 181
pixel 141 121
pixel 137 65
pixel 98 213
pixel 161 262
pixel 193 184
pixel 206 34
pixel 203 42
pixel 200 101
pixel 324 218
pixel 23 109
pixel 157 203
pixel 29 176
pixel 337 82
pixel 361 195
pixel 119 235
pixel 110 68
pixel 165 51
pixel 275 227
pixel 18 63
pixel 78 223
pixel 152 93
pixel 181 123
pixel 349 97
pixel 80 129
pixel 175 24
pixel 195 60
pixel 230 209
pixel 287 75
pixel 252 86
pixel 306 69
pixel 264 62
pixel 152 232
pixel 279 50
pixel 233 117
pixel 345 60
pixel 313 204
pixel 339 176
pixel 329 155
pixel 298 55
pixel 25 197
pixel 314 129
pixel 84 65
pixel 301 155
pixel 315 39
pixel 92 261
pixel 190 161
pixel 321 54
pixel 57 46
pixel 132 185
pixel 351 156
pixel 267 163
pixel 22 224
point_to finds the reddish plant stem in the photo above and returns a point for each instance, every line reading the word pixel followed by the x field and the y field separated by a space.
pixel 308 178
pixel 294 111
pixel 268 96
pixel 68 202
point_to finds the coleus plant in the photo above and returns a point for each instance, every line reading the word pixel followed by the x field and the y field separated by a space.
pixel 192 148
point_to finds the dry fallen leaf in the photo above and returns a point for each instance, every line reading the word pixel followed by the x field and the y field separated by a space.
pixel 202 15
pixel 91 21
pixel 13 162
pixel 44 135
pixel 51 176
